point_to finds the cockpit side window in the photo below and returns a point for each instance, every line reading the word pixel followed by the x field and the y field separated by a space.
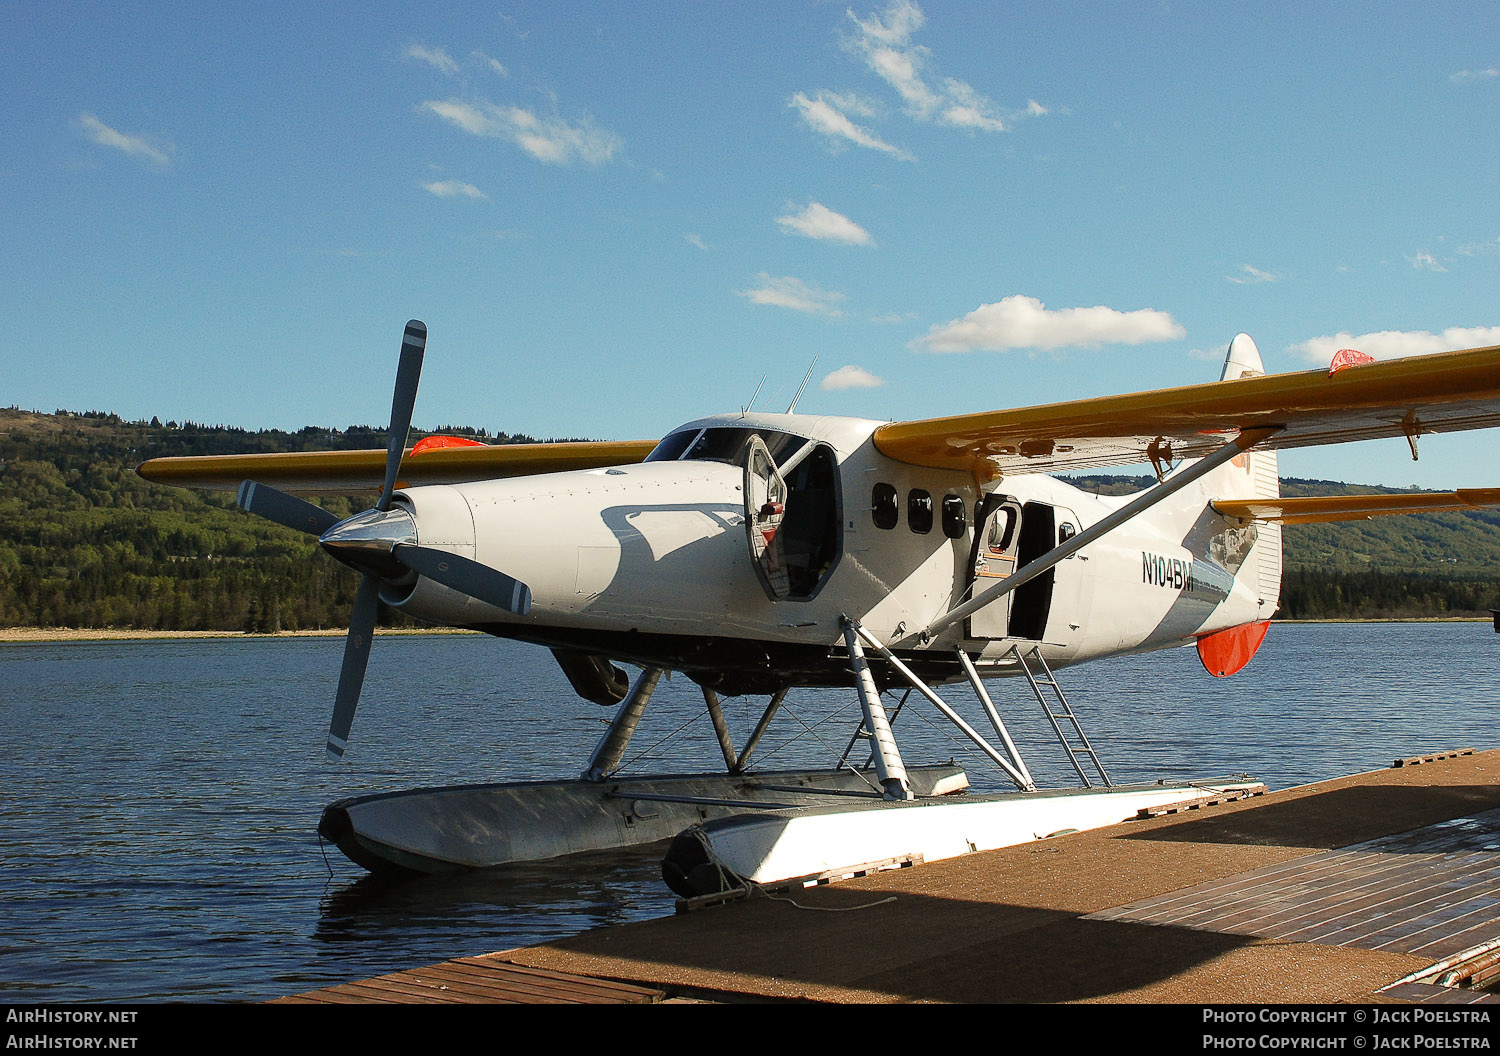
pixel 673 445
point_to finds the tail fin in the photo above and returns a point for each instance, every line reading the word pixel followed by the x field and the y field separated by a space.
pixel 1258 477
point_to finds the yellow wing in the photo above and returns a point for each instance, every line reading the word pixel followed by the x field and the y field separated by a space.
pixel 1313 508
pixel 362 472
pixel 1400 397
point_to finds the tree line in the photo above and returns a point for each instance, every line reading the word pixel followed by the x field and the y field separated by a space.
pixel 85 542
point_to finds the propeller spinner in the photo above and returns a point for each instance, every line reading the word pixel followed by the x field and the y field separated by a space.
pixel 382 544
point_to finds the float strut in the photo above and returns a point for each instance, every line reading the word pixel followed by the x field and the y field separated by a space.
pixel 888 767
pixel 760 728
pixel 721 730
pixel 611 747
pixel 1023 781
pixel 1021 776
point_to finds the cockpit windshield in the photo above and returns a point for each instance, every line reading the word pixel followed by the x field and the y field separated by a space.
pixel 722 444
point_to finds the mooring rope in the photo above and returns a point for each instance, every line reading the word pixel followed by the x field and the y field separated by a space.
pixel 730 881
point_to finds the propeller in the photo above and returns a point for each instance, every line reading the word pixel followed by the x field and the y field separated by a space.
pixel 408 373
pixel 356 658
pixel 381 543
pixel 457 572
pixel 278 506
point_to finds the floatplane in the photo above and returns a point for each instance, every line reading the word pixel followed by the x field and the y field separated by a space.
pixel 757 552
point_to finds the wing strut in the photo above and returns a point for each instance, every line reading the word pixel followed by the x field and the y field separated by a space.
pixel 1232 449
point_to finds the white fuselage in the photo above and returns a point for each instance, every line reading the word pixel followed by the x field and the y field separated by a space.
pixel 652 563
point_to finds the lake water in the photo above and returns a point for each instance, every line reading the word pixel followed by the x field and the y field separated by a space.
pixel 159 799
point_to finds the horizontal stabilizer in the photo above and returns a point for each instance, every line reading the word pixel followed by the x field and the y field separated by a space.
pixel 1314 508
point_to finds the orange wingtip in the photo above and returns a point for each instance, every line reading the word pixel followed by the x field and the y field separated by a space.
pixel 437 443
pixel 1225 652
pixel 1347 357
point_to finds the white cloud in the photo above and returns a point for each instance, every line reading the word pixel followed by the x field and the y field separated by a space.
pixel 828 115
pixel 495 65
pixel 1425 261
pixel 885 44
pixel 789 292
pixel 902 19
pixel 820 222
pixel 454 189
pixel 1025 322
pixel 137 146
pixel 1475 75
pixel 1393 344
pixel 966 108
pixel 695 240
pixel 850 377
pixel 1250 276
pixel 884 41
pixel 553 140
pixel 437 58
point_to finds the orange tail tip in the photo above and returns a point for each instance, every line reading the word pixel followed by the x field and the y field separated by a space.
pixel 1224 652
pixel 437 443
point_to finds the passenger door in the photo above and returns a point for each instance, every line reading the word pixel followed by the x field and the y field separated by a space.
pixel 996 541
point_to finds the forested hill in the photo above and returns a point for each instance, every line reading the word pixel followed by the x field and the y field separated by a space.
pixel 85 542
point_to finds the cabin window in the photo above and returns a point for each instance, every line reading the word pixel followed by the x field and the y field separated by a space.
pixel 919 511
pixel 954 517
pixel 1002 530
pixel 883 506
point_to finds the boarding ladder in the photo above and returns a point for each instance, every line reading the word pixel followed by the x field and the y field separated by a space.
pixel 1075 744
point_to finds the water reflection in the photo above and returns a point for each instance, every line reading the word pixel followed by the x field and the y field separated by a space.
pixel 558 898
pixel 158 825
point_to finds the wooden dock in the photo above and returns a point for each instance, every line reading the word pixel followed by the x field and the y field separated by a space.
pixel 1381 886
pixel 487 980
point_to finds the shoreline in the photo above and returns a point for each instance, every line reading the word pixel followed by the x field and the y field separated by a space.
pixel 106 634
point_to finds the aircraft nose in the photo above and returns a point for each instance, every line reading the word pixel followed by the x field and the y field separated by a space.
pixel 367 541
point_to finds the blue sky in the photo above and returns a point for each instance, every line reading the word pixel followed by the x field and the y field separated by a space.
pixel 615 216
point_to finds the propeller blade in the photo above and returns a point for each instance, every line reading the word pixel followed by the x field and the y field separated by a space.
pixel 467 577
pixel 413 344
pixel 356 656
pixel 265 501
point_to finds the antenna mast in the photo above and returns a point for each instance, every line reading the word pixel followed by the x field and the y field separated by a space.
pixel 753 395
pixel 810 366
